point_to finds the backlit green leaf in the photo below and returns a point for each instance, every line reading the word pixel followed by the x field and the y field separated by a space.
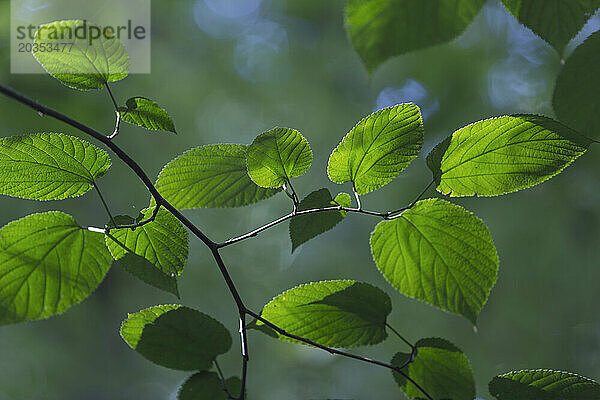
pixel 210 176
pixel 206 385
pixel 440 368
pixel 305 227
pixel 557 22
pixel 378 148
pixel 278 155
pixel 49 166
pixel 48 263
pixel 80 60
pixel 577 90
pixel 380 29
pixel 543 384
pixel 145 271
pixel 147 114
pixel 502 155
pixel 439 253
pixel 176 337
pixel 162 242
pixel 341 313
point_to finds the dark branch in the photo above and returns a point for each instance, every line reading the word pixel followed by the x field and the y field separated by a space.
pixel 223 383
pixel 245 357
pixel 339 352
pixel 160 201
pixel 213 246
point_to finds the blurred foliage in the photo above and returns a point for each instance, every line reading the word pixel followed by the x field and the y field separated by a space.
pixel 228 72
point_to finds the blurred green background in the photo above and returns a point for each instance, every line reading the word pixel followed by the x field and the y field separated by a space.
pixel 228 70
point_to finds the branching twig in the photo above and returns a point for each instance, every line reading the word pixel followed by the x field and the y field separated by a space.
pixel 398 212
pixel 278 221
pixel 111 96
pixel 339 352
pixel 292 195
pixel 137 224
pixel 213 246
pixel 223 383
pixel 412 346
pixel 245 357
pixel 112 220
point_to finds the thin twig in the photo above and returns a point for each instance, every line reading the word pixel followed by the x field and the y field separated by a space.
pixel 412 346
pixel 213 246
pixel 295 198
pixel 111 96
pixel 104 203
pixel 357 197
pixel 137 224
pixel 292 195
pixel 245 357
pixel 278 221
pixel 339 352
pixel 398 212
pixel 118 122
pixel 134 166
pixel 116 131
pixel 411 358
pixel 222 377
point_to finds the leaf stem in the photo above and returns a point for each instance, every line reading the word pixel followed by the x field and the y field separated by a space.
pixel 117 124
pixel 137 224
pixel 111 96
pixel 112 220
pixel 398 212
pixel 222 377
pixel 399 335
pixel 357 197
pixel 291 195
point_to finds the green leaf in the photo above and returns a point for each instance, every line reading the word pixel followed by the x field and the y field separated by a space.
pixel 543 384
pixel 305 227
pixel 210 176
pixel 145 271
pixel 88 63
pixel 48 263
pixel 439 253
pixel 176 337
pixel 278 155
pixel 577 91
pixel 49 166
pixel 162 242
pixel 340 313
pixel 206 385
pixel 147 114
pixel 440 368
pixel 502 155
pixel 378 148
pixel 381 29
pixel 557 22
